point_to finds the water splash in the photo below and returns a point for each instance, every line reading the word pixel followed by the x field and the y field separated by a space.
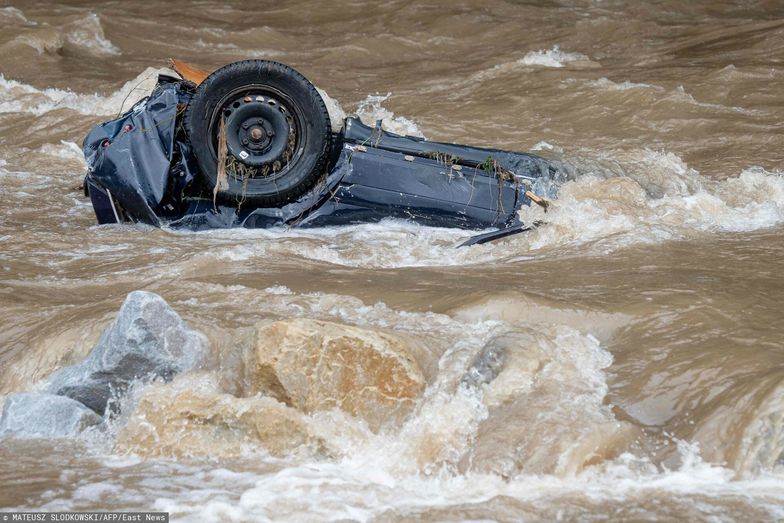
pixel 335 110
pixel 552 58
pixel 370 110
pixel 18 97
pixel 88 34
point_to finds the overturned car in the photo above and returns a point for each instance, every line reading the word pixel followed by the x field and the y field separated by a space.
pixel 252 145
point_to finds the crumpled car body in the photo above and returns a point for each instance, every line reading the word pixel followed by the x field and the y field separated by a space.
pixel 141 169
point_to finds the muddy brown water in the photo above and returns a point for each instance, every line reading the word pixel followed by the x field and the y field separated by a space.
pixel 650 302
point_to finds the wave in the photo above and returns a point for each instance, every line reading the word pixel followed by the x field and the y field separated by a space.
pixel 370 110
pixel 609 85
pixel 657 198
pixel 87 33
pixel 14 15
pixel 552 58
pixel 679 95
pixel 84 35
pixel 18 97
pixel 335 110
pixel 349 492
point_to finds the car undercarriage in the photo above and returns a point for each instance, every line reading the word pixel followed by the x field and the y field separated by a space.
pixel 252 145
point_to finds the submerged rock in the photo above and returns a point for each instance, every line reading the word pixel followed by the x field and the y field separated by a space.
pixel 316 365
pixel 192 417
pixel 487 365
pixel 39 415
pixel 147 340
pixel 544 390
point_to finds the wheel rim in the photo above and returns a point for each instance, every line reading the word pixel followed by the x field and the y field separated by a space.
pixel 262 128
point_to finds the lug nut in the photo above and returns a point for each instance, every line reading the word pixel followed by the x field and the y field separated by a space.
pixel 244 141
pixel 270 134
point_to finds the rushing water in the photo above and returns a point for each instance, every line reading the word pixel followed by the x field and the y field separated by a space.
pixel 649 305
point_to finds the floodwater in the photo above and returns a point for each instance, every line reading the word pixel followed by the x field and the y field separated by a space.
pixel 644 377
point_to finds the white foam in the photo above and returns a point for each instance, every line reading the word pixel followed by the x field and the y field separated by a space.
pixel 329 491
pixel 370 110
pixel 18 97
pixel 552 58
pixel 279 289
pixel 336 112
pixel 544 146
pixel 621 210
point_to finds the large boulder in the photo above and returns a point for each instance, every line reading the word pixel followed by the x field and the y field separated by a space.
pixel 147 340
pixel 191 416
pixel 316 365
pixel 39 415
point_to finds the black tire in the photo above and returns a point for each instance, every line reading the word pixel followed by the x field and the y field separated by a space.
pixel 266 99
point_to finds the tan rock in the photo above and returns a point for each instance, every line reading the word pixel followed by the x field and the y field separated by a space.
pixel 316 365
pixel 192 417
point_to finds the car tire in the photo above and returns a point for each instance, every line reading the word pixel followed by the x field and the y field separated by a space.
pixel 277 131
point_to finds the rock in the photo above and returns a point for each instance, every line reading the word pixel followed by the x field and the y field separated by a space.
pixel 544 390
pixel 316 365
pixel 191 416
pixel 147 340
pixel 487 365
pixel 39 415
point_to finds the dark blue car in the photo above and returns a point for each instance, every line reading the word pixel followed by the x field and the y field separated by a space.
pixel 253 146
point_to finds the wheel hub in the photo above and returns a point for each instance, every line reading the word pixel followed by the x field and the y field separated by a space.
pixel 258 130
pixel 256 134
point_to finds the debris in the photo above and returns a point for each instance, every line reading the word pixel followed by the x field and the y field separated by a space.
pixel 188 72
pixel 544 204
pixel 222 182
